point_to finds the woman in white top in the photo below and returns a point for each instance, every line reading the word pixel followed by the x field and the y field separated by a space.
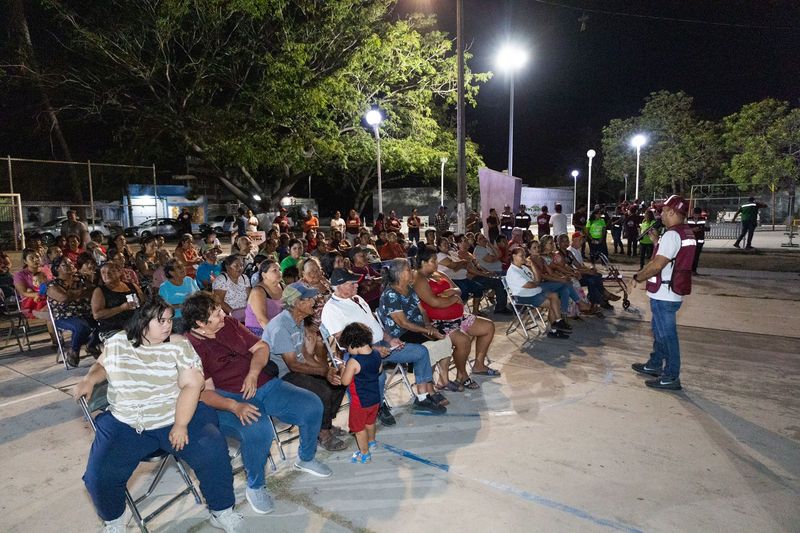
pixel 232 288
pixel 456 269
pixel 525 290
pixel 252 222
pixel 154 385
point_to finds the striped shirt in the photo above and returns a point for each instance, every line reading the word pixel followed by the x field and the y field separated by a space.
pixel 143 382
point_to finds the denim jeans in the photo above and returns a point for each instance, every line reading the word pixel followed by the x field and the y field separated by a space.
pixel 117 450
pixel 594 286
pixel 666 349
pixel 82 330
pixel 282 400
pixel 469 288
pixel 499 291
pixel 563 290
pixel 410 353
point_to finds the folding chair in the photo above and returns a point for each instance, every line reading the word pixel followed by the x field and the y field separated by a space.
pixel 16 322
pixel 60 342
pixel 524 315
pixel 399 368
pixel 99 402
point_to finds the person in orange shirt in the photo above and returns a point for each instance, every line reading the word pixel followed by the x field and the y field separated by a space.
pixel 392 249
pixel 310 222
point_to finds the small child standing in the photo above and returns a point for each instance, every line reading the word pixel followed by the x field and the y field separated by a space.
pixel 360 375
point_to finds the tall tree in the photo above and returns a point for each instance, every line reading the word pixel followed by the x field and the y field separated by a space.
pixel 763 140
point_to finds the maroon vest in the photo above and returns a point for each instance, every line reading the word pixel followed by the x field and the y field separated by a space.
pixel 681 282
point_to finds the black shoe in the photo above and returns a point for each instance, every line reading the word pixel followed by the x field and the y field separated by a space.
pixel 749 248
pixel 505 311
pixel 606 305
pixel 556 334
pixel 642 368
pixel 664 383
pixel 428 406
pixel 385 415
pixel 561 325
pixel 73 359
pixel 736 245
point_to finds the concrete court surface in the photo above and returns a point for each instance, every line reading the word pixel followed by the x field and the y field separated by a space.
pixel 567 439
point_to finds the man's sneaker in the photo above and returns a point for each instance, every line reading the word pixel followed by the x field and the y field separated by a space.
pixel 115 526
pixel 555 334
pixel 385 415
pixel 314 467
pixel 73 358
pixel 259 500
pixel 228 520
pixel 642 368
pixel 561 325
pixel 664 383
pixel 428 406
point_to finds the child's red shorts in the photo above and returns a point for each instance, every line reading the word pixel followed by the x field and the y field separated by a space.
pixel 360 417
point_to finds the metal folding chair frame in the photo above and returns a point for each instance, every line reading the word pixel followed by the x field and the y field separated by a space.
pixel 524 315
pixel 98 402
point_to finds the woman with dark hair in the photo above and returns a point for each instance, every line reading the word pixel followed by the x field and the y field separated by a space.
pixel 186 253
pixel 69 296
pixel 456 270
pixel 295 255
pixel 154 386
pixel 555 280
pixel 493 225
pixel 244 395
pixel 441 299
pixel 119 244
pixel 176 289
pixel 338 241
pixel 379 225
pixel 311 240
pixel 331 261
pixel 128 274
pixel 596 229
pixel 232 288
pixel 114 301
pixel 87 269
pixel 73 248
pixel 403 316
pixel 147 262
pixel 369 287
pixel 27 283
pixel 264 301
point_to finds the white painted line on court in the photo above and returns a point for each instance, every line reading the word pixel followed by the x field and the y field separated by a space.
pixel 32 396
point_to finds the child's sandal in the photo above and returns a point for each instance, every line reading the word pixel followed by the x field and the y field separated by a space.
pixel 361 458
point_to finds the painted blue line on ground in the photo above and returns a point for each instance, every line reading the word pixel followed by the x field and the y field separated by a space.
pixel 415 457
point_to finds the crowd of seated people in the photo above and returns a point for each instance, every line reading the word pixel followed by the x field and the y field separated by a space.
pixel 279 310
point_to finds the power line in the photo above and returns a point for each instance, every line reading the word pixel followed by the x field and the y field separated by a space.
pixel 670 19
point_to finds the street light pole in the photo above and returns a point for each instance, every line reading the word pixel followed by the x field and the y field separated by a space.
pixel 511 58
pixel 590 154
pixel 460 121
pixel 374 119
pixel 574 191
pixel 443 159
pixel 637 142
pixel 626 186
pixel 511 127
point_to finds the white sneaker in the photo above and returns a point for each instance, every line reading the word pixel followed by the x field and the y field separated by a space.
pixel 313 467
pixel 228 520
pixel 115 526
pixel 259 500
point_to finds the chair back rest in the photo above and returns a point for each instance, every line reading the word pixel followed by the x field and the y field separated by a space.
pixel 330 346
pixel 50 314
pixel 98 402
pixel 512 297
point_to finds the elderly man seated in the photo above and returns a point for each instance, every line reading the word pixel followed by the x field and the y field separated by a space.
pixel 345 307
pixel 589 277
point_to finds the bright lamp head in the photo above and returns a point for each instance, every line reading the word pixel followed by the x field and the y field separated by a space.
pixel 511 58
pixel 590 154
pixel 374 117
pixel 575 173
pixel 638 141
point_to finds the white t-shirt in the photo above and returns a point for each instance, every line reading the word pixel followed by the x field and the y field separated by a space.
pixel 337 224
pixel 559 223
pixel 668 246
pixel 517 277
pixel 480 253
pixel 450 273
pixel 338 313
pixel 235 293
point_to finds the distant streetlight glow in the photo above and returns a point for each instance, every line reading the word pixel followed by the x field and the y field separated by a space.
pixel 590 154
pixel 443 160
pixel 637 142
pixel 374 119
pixel 575 174
pixel 256 197
pixel 511 58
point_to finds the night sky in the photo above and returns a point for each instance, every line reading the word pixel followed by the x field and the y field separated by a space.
pixel 576 81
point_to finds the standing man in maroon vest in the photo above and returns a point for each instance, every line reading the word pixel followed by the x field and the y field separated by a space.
pixel 669 279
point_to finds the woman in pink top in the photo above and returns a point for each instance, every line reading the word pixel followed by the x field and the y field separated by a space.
pixel 264 302
pixel 27 283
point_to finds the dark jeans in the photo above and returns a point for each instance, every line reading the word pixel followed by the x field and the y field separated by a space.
pixel 331 395
pixel 697 252
pixel 117 450
pixel 469 288
pixel 616 235
pixel 83 331
pixel 748 228
pixel 632 244
pixel 562 289
pixel 645 253
pixel 499 291
pixel 413 234
pixel 594 286
pixel 666 352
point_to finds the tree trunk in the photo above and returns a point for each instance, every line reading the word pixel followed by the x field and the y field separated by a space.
pixel 29 68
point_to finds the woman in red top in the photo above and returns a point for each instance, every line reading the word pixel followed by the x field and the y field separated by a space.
pixel 73 249
pixel 186 254
pixel 441 300
pixel 353 226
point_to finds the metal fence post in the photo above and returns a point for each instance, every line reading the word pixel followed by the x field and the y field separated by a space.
pixel 91 190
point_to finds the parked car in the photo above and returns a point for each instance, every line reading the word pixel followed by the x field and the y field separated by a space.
pixel 50 230
pixel 222 224
pixel 168 227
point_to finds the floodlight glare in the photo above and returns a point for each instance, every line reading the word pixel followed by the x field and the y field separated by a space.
pixel 374 117
pixel 256 197
pixel 590 154
pixel 638 141
pixel 511 58
pixel 575 173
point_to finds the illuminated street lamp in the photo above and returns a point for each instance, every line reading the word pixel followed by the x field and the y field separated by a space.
pixel 511 59
pixel 575 174
pixel 590 154
pixel 374 119
pixel 637 142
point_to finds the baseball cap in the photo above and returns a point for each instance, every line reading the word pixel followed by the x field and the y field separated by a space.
pixel 577 234
pixel 297 291
pixel 340 276
pixel 678 203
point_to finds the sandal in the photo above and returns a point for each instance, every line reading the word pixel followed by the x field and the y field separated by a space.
pixel 339 432
pixel 361 458
pixel 451 386
pixel 469 383
pixel 491 372
pixel 332 443
pixel 439 399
